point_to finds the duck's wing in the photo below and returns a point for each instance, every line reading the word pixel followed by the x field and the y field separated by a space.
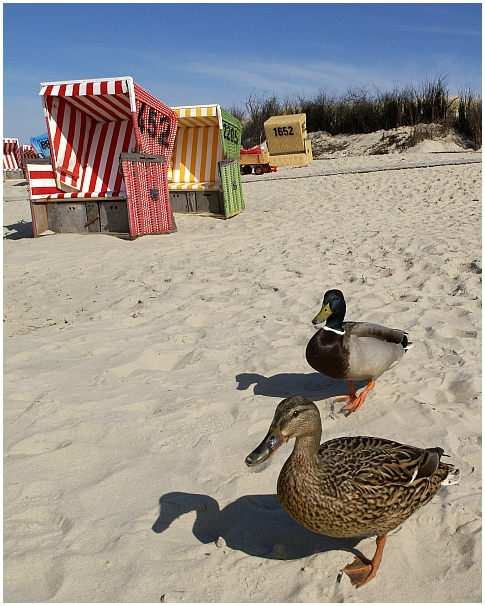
pixel 376 331
pixel 374 462
pixel 357 443
pixel 402 465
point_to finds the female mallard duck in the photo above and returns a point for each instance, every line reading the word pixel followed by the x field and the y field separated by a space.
pixel 351 486
pixel 352 351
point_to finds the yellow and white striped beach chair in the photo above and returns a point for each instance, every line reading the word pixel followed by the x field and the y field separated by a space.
pixel 204 174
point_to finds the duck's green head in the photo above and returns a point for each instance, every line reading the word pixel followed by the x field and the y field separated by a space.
pixel 294 417
pixel 333 309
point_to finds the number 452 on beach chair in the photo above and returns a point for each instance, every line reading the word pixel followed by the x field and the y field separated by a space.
pixel 204 174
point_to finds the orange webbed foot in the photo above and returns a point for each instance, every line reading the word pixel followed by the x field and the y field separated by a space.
pixel 362 570
pixel 355 401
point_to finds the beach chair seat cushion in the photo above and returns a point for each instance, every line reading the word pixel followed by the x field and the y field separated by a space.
pixel 43 186
pixel 204 185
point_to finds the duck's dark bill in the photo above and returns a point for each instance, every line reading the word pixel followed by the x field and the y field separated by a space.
pixel 268 446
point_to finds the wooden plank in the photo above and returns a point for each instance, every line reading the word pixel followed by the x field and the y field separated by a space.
pixel 39 218
pixel 93 221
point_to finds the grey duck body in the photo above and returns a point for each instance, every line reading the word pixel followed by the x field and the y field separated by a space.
pixel 363 351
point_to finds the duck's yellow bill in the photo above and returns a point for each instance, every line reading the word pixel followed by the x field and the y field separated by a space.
pixel 323 314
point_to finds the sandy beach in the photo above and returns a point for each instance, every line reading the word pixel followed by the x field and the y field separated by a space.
pixel 138 375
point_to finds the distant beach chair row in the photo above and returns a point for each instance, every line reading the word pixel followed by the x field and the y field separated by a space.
pixel 117 160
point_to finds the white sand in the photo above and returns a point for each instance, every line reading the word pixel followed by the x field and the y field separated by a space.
pixel 139 374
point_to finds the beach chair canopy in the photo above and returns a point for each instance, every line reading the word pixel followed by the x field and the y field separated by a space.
pixel 91 122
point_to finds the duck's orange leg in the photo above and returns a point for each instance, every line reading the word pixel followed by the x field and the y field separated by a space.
pixel 356 401
pixel 362 570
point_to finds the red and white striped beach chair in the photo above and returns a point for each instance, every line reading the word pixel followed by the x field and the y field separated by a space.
pixel 11 167
pixel 110 141
pixel 26 152
pixel 10 154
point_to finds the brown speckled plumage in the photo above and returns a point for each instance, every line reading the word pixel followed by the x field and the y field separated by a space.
pixel 356 486
pixel 349 486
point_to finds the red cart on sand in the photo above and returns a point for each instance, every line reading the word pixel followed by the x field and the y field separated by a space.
pixel 110 143
pixel 255 159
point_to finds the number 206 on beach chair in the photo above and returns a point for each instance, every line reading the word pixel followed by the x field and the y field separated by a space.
pixel 110 141
pixel 204 174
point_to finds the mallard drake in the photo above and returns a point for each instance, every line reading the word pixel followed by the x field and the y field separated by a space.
pixel 352 351
pixel 351 486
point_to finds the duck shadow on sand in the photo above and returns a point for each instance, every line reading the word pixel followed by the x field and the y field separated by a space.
pixel 22 229
pixel 314 386
pixel 254 524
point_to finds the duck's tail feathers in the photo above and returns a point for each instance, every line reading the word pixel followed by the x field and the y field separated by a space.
pixel 405 343
pixel 453 477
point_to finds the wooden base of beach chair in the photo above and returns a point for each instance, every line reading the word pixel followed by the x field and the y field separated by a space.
pixel 81 216
pixel 13 174
pixel 197 202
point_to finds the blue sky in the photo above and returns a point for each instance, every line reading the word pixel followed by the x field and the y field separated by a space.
pixel 188 54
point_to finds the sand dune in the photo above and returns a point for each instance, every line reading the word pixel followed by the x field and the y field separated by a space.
pixel 139 374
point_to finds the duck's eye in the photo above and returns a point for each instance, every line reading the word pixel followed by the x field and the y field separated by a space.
pixel 296 413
